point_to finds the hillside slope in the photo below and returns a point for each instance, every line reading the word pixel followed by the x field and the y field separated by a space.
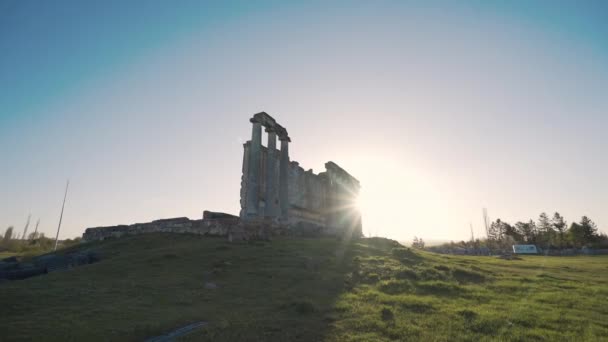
pixel 308 290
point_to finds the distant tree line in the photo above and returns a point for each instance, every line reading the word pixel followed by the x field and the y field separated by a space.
pixel 546 233
pixel 35 243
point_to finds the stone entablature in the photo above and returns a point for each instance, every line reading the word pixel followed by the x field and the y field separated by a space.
pixel 277 189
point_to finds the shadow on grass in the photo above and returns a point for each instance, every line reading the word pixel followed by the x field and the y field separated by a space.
pixel 149 285
pixel 289 289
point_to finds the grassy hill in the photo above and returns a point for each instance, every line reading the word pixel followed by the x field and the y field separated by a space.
pixel 308 290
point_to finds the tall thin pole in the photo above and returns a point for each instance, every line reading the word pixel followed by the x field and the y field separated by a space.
pixel 36 230
pixel 27 224
pixel 61 216
pixel 472 236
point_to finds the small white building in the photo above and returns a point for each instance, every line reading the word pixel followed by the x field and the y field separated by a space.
pixel 525 249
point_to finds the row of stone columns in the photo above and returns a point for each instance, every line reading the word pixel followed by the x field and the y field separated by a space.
pixel 253 177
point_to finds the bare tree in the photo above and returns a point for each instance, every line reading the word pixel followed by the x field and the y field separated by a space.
pixel 8 234
pixel 35 234
pixel 418 243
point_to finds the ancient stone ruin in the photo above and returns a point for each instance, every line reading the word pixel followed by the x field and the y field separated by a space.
pixel 277 197
pixel 275 189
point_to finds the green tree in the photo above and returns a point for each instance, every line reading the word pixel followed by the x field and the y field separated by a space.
pixel 513 233
pixel 33 236
pixel 583 233
pixel 589 229
pixel 527 230
pixel 602 241
pixel 545 230
pixel 560 226
pixel 503 234
pixel 576 236
pixel 495 232
pixel 418 243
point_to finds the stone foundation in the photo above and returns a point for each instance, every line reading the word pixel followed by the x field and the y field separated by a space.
pixel 224 226
pixel 213 224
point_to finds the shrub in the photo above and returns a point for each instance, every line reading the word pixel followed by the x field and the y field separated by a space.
pixel 487 326
pixel 405 255
pixel 429 273
pixel 395 286
pixel 440 288
pixel 401 252
pixel 468 276
pixel 304 307
pixel 382 243
pixel 406 274
pixel 372 277
pixel 468 315
pixel 387 314
pixel 417 306
pixel 442 268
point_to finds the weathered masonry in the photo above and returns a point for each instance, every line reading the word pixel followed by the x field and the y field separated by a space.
pixel 278 190
pixel 277 197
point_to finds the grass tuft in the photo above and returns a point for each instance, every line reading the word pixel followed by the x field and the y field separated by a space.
pixel 387 314
pixel 467 276
pixel 304 307
pixel 395 287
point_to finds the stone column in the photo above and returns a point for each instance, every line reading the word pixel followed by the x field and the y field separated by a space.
pixel 271 209
pixel 255 149
pixel 284 178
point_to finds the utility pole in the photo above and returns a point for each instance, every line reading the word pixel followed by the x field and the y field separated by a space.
pixel 472 236
pixel 27 224
pixel 61 215
pixel 486 222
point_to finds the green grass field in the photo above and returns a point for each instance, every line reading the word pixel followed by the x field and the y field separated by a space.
pixel 307 290
pixel 6 254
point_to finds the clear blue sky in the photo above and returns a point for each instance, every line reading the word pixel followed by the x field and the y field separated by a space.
pixel 440 108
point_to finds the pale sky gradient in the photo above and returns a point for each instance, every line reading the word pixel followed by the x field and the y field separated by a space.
pixel 438 108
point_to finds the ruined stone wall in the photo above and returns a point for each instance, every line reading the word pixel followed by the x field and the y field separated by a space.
pixel 327 200
pixel 276 194
pixel 342 193
pixel 180 225
pixel 307 193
